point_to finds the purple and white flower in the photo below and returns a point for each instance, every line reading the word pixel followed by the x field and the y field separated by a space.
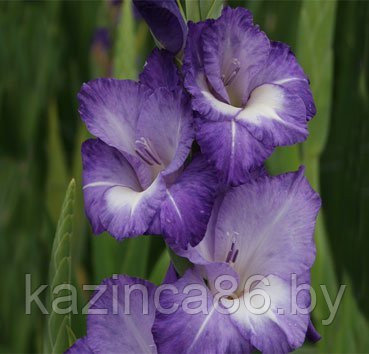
pixel 245 96
pixel 264 229
pixel 116 326
pixel 144 132
pixel 250 94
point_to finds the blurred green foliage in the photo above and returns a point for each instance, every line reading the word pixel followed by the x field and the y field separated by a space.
pixel 46 54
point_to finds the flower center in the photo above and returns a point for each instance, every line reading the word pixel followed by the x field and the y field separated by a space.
pixel 231 72
pixel 146 152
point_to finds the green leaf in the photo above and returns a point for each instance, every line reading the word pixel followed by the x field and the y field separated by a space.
pixel 62 339
pixel 284 159
pixel 344 167
pixel 107 254
pixel 315 54
pixel 210 8
pixel 345 175
pixel 125 53
pixel 136 256
pixel 158 273
pixel 80 224
pixel 60 273
pixel 71 336
pixel 179 3
pixel 181 264
pixel 193 10
pixel 127 257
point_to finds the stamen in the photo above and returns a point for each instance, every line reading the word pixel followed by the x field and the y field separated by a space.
pixel 232 72
pixel 155 158
pixel 143 157
pixel 229 255
pixel 233 253
pixel 235 256
pixel 146 152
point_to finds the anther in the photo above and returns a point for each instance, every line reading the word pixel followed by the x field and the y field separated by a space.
pixel 146 152
pixel 232 72
pixel 235 256
pixel 143 157
pixel 229 255
pixel 233 253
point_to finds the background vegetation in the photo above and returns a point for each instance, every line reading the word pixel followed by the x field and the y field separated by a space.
pixel 49 48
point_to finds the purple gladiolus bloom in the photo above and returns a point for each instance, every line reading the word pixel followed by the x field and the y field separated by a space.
pixel 250 93
pixel 136 165
pixel 264 229
pixel 165 22
pixel 115 325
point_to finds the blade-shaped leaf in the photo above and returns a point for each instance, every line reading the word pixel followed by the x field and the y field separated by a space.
pixel 181 264
pixel 344 167
pixel 128 257
pixel 315 54
pixel 193 10
pixel 136 256
pixel 283 159
pixel 210 8
pixel 158 273
pixel 60 273
pixel 79 238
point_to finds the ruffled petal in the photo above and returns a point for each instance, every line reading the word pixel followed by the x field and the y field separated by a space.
pixel 114 198
pixel 272 226
pixel 206 331
pixel 166 123
pixel 234 50
pixel 192 61
pixel 124 326
pixel 187 207
pixel 232 149
pixel 278 327
pixel 274 116
pixel 235 74
pixel 165 22
pixel 204 252
pixel 155 226
pixel 125 213
pixel 110 110
pixel 160 71
pixel 283 69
